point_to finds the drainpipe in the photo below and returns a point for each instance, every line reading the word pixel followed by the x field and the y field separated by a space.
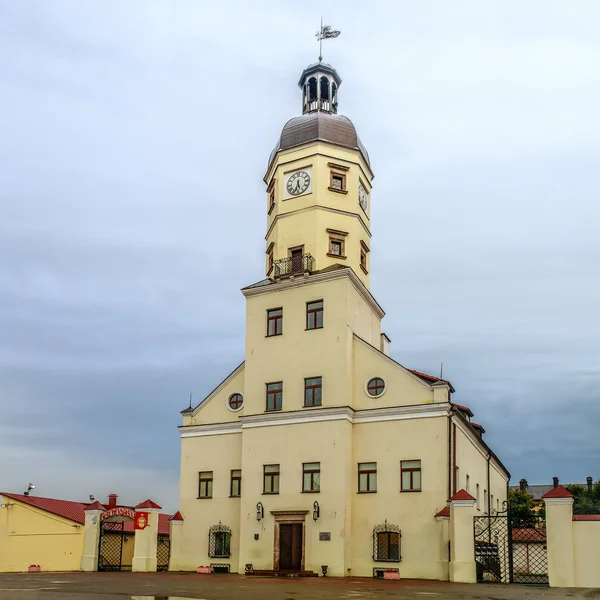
pixel 450 452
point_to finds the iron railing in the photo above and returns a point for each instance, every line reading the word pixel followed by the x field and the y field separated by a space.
pixel 387 543
pixel 293 265
pixel 163 552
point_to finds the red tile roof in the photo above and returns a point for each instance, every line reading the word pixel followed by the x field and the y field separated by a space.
pixel 461 495
pixel 62 508
pixel 176 517
pixel 477 426
pixel 558 492
pixel 95 506
pixel 74 511
pixel 462 408
pixel 148 504
pixel 445 512
pixel 586 517
pixel 528 534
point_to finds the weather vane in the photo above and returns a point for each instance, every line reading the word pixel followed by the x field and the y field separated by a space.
pixel 325 33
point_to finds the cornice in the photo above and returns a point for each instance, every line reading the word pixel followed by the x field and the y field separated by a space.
pixel 318 415
pixel 294 282
pixel 318 207
pixel 555 501
pixel 276 164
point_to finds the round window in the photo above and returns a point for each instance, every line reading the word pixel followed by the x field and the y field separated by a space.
pixel 235 402
pixel 375 387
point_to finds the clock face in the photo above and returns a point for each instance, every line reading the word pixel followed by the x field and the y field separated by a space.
pixel 298 183
pixel 362 197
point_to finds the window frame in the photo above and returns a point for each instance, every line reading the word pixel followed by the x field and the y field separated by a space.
pixel 334 174
pixel 231 408
pixel 208 481
pixel 311 473
pixel 368 473
pixel 237 478
pixel 313 389
pixel 278 320
pixel 270 259
pixel 341 242
pixel 315 312
pixel 219 532
pixel 273 393
pixel 364 251
pixel 411 470
pixel 387 530
pixel 271 475
pixel 367 384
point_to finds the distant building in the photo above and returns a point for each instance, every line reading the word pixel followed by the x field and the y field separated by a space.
pixel 538 490
pixel 49 533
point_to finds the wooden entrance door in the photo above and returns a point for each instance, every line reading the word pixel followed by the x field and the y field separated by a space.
pixel 297 260
pixel 290 547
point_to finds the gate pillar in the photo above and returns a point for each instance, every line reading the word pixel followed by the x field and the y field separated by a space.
pixel 175 526
pixel 559 537
pixel 462 543
pixel 144 550
pixel 91 537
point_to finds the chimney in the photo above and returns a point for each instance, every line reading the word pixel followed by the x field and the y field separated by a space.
pixel 555 481
pixel 589 481
pixel 112 500
pixel 523 485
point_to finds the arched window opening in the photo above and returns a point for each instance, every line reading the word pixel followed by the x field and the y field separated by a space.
pixel 324 88
pixel 312 89
pixel 386 543
pixel 219 541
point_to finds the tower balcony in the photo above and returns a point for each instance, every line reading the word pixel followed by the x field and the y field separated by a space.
pixel 293 265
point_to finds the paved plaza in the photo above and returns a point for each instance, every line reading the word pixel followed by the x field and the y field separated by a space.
pixel 175 586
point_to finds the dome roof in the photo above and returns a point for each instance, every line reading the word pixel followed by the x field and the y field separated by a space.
pixel 319 126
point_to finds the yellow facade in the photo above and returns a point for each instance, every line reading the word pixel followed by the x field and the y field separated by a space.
pixel 409 422
pixel 30 536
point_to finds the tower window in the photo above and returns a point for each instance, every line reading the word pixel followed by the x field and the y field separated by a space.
pixel 314 315
pixel 235 490
pixel 367 477
pixel 274 396
pixel 375 387
pixel 271 201
pixel 313 391
pixel 364 250
pixel 338 182
pixel 336 248
pixel 270 258
pixel 274 322
pixel 271 479
pixel 205 488
pixel 311 477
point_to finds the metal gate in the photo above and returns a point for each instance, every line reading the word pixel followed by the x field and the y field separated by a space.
pixel 110 551
pixel 163 551
pixel 510 550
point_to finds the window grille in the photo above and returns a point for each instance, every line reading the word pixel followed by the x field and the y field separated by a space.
pixel 386 543
pixel 219 541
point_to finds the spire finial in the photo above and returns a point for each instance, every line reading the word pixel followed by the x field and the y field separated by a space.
pixel 326 32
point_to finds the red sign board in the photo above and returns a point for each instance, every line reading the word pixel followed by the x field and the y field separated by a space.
pixel 117 512
pixel 140 521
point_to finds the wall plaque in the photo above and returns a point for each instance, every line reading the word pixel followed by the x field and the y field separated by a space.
pixel 324 536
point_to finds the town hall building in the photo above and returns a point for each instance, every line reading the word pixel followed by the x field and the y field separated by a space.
pixel 321 453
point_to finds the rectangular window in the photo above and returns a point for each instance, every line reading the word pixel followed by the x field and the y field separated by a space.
pixel 311 477
pixel 485 501
pixel 410 475
pixel 314 315
pixel 492 502
pixel 271 201
pixel 205 488
pixel 313 391
pixel 219 545
pixel 364 250
pixel 274 395
pixel 269 259
pixel 235 490
pixel 274 321
pixel 367 477
pixel 335 247
pixel 271 479
pixel 498 504
pixel 388 546
pixel 468 483
pixel 338 182
pixel 477 495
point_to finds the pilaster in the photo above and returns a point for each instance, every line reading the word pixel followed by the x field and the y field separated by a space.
pixel 559 537
pixel 144 553
pixel 462 544
pixel 91 537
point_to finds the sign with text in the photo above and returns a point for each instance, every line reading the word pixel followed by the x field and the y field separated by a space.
pixel 325 536
pixel 117 512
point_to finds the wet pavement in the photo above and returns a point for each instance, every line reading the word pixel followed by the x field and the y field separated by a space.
pixel 190 586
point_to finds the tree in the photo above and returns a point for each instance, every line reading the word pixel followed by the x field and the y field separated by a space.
pixel 586 502
pixel 522 508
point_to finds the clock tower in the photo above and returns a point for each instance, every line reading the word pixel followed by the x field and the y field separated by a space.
pixel 318 187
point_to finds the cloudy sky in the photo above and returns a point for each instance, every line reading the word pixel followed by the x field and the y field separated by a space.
pixel 133 141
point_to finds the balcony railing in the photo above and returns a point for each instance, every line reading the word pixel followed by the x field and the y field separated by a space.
pixel 294 265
